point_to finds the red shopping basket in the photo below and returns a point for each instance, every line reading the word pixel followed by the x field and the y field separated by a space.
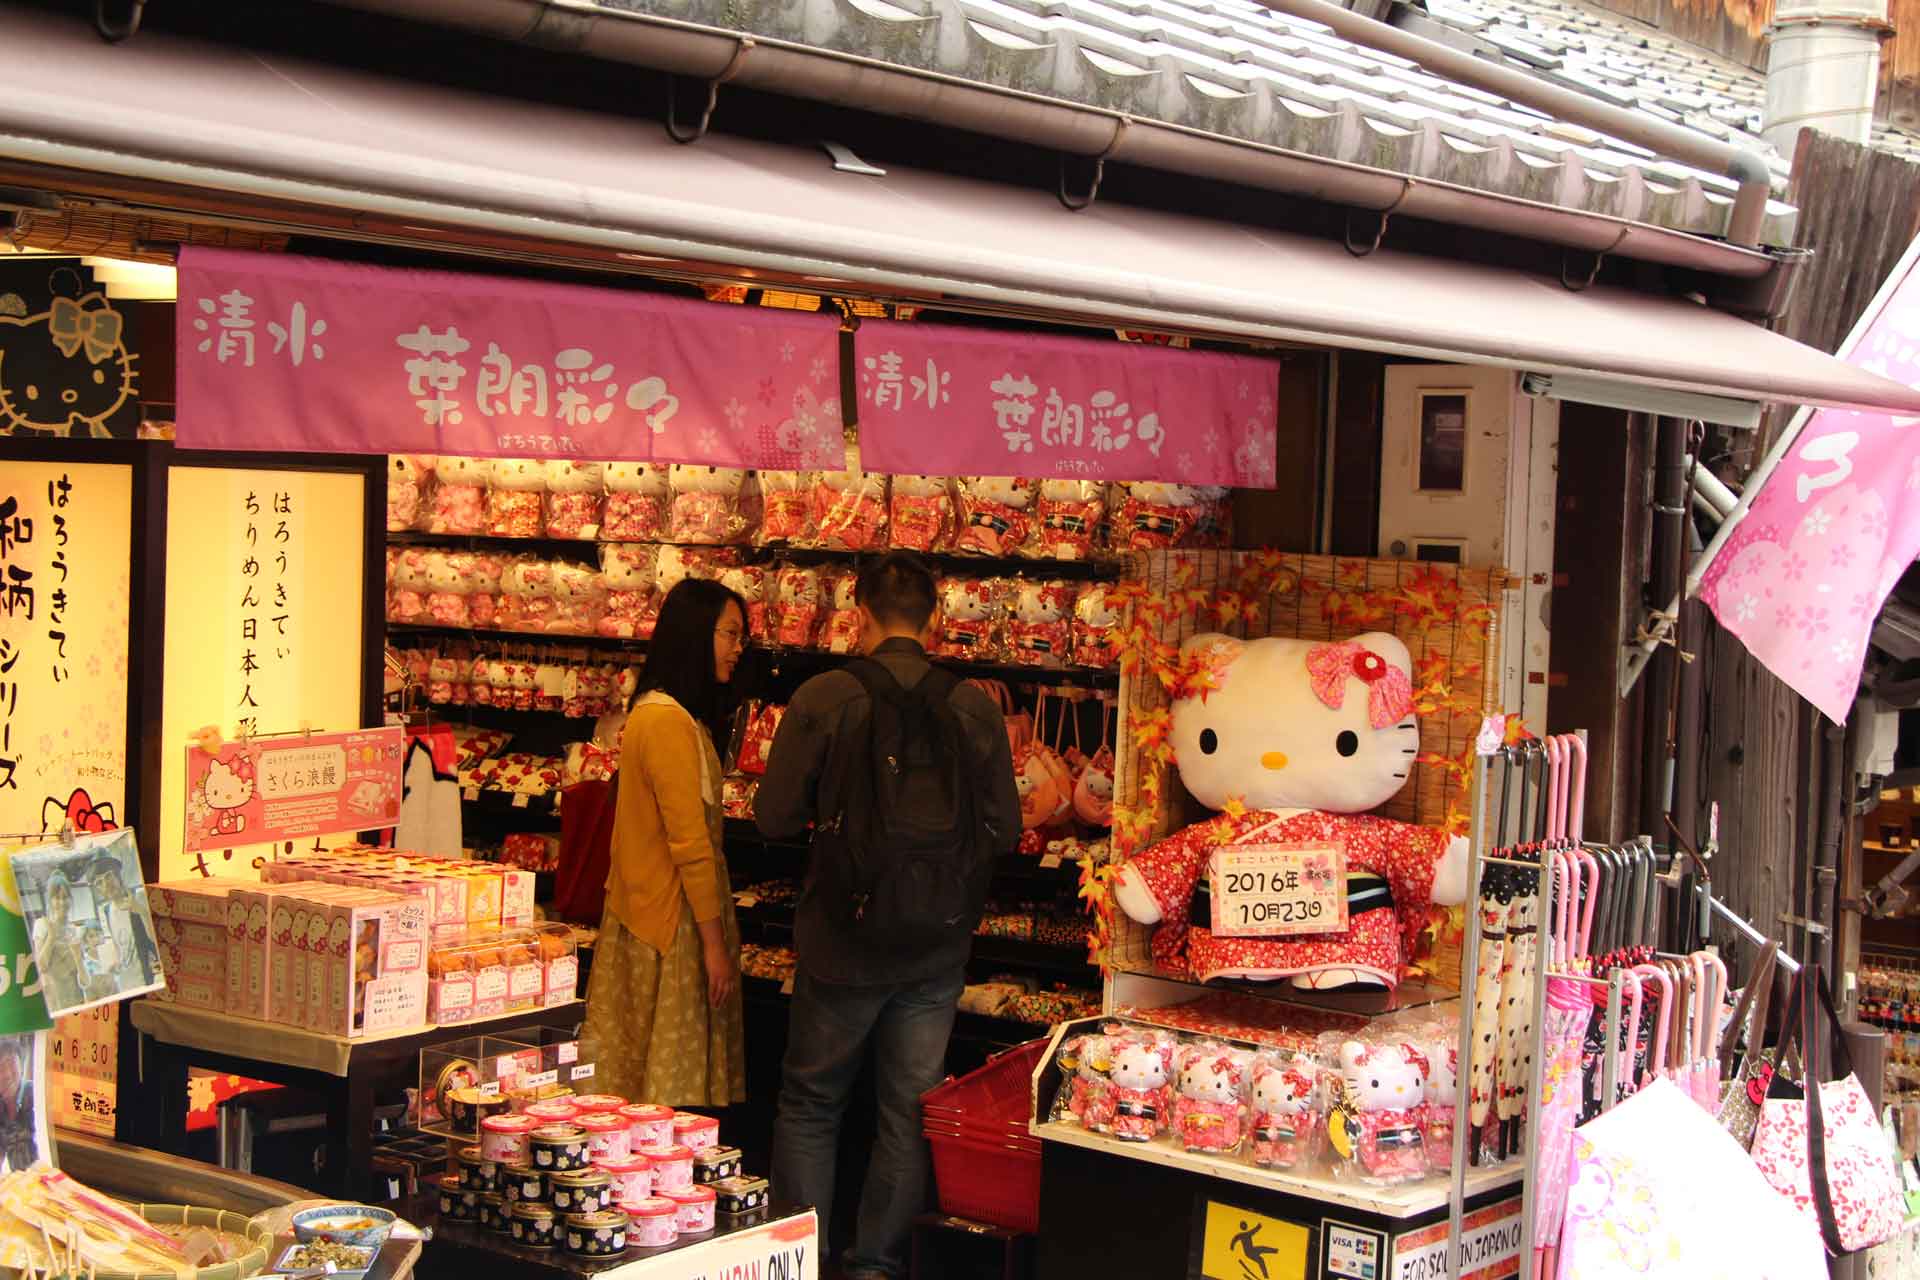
pixel 985 1164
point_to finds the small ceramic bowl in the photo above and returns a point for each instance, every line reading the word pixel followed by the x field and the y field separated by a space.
pixel 359 1225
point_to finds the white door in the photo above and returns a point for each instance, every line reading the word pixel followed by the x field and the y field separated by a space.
pixel 1468 475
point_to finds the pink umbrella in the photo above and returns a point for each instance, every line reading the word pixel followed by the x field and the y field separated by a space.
pixel 1657 1051
pixel 1708 993
pixel 1561 1038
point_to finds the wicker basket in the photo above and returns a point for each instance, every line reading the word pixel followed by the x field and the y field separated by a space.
pixel 248 1264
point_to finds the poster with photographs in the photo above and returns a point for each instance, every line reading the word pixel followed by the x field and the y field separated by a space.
pixel 87 920
pixel 23 1101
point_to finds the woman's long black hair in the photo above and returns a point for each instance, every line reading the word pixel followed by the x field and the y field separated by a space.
pixel 679 659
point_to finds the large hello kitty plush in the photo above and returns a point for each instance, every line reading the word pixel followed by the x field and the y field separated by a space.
pixel 1071 513
pixel 1142 1094
pixel 483 589
pixel 969 620
pixel 574 499
pixel 412 584
pixel 1211 1112
pixel 637 499
pixel 709 505
pixel 409 479
pixel 996 515
pixel 1096 628
pixel 516 500
pixel 922 513
pixel 1308 736
pixel 1286 1121
pixel 1038 634
pixel 579 596
pixel 850 507
pixel 459 495
pixel 1384 1097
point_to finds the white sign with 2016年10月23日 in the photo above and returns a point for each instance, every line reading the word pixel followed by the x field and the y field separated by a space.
pixel 1277 890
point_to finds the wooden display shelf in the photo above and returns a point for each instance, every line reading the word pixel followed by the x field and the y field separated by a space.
pixel 1105 567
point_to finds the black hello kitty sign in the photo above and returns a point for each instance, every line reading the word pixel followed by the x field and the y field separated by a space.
pixel 64 365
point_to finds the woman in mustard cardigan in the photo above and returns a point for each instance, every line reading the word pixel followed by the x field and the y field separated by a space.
pixel 663 1005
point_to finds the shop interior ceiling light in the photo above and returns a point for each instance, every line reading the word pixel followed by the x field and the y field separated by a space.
pixel 1724 410
pixel 134 281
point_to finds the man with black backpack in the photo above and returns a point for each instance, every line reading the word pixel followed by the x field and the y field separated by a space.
pixel 906 776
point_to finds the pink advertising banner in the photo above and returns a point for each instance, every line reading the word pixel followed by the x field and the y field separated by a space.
pixel 1832 527
pixel 941 400
pixel 300 354
pixel 267 789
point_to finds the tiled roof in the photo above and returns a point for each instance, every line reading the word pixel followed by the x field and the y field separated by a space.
pixel 1234 68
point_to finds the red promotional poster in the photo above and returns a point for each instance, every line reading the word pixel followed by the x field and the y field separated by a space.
pixel 268 789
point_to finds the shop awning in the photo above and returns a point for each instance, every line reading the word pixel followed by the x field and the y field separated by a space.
pixel 420 161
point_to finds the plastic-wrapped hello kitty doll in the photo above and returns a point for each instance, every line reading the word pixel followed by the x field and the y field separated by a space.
pixel 850 507
pixel 549 686
pixel 449 579
pixel 786 514
pixel 1210 1113
pixel 516 500
pixel 574 499
pixel 1142 1091
pixel 500 681
pixel 525 677
pixel 749 582
pixel 480 683
pixel 969 620
pixel 794 619
pixel 921 510
pixel 995 515
pixel 1384 1097
pixel 441 671
pixel 1096 628
pixel 1308 736
pixel 842 632
pixel 1038 634
pixel 636 505
pixel 1286 1114
pixel 459 495
pixel 1071 514
pixel 708 509
pixel 579 596
pixel 1442 1098
pixel 1092 1101
pixel 1213 523
pixel 483 594
pixel 412 584
pixel 627 568
pixel 526 599
pixel 409 484
pixel 1153 515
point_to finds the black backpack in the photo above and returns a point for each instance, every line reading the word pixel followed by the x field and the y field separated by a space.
pixel 903 856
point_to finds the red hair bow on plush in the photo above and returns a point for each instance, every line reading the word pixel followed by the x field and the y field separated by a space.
pixel 1389 692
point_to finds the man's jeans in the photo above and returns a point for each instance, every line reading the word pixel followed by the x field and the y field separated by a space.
pixel 828 1030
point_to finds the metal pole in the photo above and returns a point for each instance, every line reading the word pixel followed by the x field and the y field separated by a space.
pixel 1610 1060
pixel 1469 977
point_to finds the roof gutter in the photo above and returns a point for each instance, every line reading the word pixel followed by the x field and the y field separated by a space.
pixel 717 56
pixel 1746 167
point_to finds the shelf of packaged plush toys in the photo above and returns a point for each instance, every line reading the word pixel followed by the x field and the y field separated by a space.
pixel 776 657
pixel 1288 1148
pixel 1102 568
pixel 1254 1009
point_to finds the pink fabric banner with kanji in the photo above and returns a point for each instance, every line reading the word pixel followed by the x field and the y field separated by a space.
pixel 941 400
pixel 306 355
pixel 1801 579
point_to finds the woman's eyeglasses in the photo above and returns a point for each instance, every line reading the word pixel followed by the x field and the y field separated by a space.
pixel 732 634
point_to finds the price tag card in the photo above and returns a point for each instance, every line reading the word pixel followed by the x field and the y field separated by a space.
pixel 582 1071
pixel 1278 890
pixel 471 794
pixel 567 1052
pixel 539 1078
pixel 1049 862
pixel 519 800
